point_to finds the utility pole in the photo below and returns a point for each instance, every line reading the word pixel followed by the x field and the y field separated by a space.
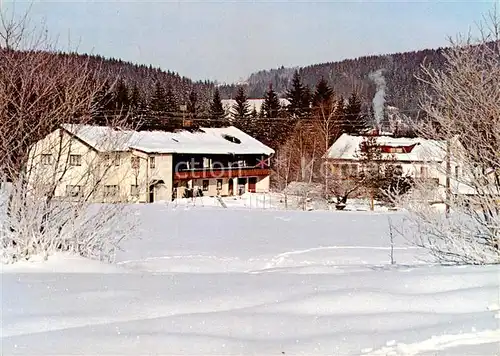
pixel 448 166
pixel 183 109
pixel 448 173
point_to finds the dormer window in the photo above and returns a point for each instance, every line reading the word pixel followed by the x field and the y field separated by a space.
pixel 231 138
pixel 396 150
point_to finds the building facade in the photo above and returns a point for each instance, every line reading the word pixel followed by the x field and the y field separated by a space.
pixel 422 159
pixel 148 166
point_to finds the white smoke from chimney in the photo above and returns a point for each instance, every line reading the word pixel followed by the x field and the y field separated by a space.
pixel 379 99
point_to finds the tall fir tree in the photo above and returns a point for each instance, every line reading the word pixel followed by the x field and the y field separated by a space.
pixel 354 120
pixel 157 105
pixel 135 99
pixel 103 106
pixel 299 98
pixel 171 102
pixel 217 112
pixel 322 94
pixel 192 105
pixel 136 106
pixel 271 105
pixel 254 114
pixel 122 100
pixel 306 102
pixel 241 109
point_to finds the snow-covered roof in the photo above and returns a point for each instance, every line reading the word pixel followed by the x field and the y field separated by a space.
pixel 253 103
pixel 102 138
pixel 347 147
pixel 226 140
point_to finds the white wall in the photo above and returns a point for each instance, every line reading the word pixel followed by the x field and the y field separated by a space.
pixel 59 173
pixel 100 169
pixel 263 184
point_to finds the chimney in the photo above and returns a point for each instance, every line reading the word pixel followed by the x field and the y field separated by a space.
pixel 374 132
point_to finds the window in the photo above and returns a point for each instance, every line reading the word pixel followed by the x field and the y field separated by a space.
pixel 457 171
pixel 424 172
pixel 353 170
pixel 73 190
pixel 134 190
pixel 344 170
pixel 348 170
pixel 75 160
pixel 152 163
pixel 46 160
pixel 111 190
pixel 219 184
pixel 396 150
pixel 116 159
pixel 134 161
pixel 207 162
pixel 206 183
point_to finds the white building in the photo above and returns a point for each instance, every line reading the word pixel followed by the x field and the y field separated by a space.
pixel 148 166
pixel 418 157
pixel 253 104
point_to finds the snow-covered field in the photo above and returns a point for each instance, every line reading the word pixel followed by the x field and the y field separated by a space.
pixel 204 280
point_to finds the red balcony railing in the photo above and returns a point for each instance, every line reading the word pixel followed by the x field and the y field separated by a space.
pixel 221 173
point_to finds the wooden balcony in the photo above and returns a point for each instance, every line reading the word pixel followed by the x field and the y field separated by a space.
pixel 218 173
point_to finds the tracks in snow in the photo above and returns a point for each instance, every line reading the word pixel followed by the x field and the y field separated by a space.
pixel 322 256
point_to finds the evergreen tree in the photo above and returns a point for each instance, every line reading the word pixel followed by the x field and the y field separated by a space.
pixel 171 102
pixel 254 114
pixel 136 106
pixel 217 112
pixel 135 98
pixel 103 105
pixel 241 109
pixel 192 105
pixel 261 111
pixel 323 93
pixel 122 101
pixel 354 121
pixel 306 102
pixel 158 103
pixel 370 117
pixel 385 122
pixel 299 97
pixel 271 105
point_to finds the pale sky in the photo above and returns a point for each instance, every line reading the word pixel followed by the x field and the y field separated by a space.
pixel 228 40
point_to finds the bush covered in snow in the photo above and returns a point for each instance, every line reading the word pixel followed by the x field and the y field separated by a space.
pixel 34 225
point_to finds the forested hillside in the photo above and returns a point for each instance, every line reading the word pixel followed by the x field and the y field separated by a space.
pixel 154 92
pixel 141 89
pixel 159 99
pixel 399 71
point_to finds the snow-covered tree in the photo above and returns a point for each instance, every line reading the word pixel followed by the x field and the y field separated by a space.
pixel 463 105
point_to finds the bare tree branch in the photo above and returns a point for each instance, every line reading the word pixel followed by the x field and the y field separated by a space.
pixel 463 104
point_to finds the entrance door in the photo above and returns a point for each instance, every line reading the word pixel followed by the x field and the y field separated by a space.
pixel 151 193
pixel 230 186
pixel 252 184
pixel 174 191
pixel 242 185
